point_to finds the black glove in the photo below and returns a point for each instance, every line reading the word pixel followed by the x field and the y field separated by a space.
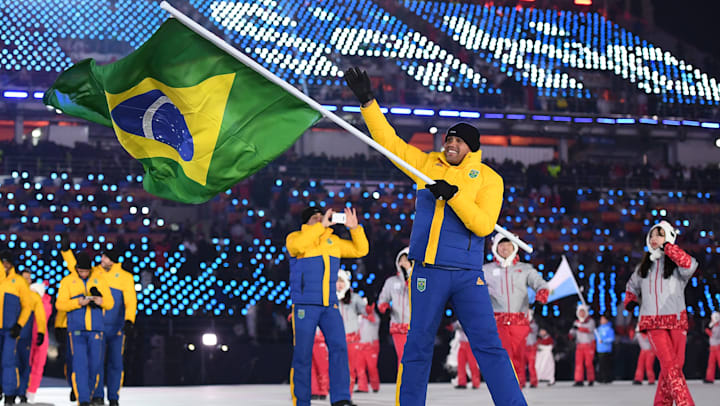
pixel 64 242
pixel 359 82
pixel 94 291
pixel 60 334
pixel 40 339
pixel 630 307
pixel 442 190
pixel 129 327
pixel 15 331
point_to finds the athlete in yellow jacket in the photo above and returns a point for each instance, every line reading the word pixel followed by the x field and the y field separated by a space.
pixel 315 254
pixel 452 218
pixel 85 297
pixel 119 320
pixel 15 309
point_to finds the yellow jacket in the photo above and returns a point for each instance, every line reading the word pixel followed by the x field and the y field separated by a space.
pixel 38 312
pixel 122 287
pixel 16 303
pixel 449 233
pixel 315 254
pixel 83 318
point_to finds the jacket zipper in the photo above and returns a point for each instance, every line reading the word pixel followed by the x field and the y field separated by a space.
pixel 507 289
pixel 302 282
pixel 657 306
pixel 469 240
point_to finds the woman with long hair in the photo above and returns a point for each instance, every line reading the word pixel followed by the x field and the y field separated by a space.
pixel 658 286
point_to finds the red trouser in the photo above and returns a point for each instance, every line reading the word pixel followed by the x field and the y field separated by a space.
pixel 367 365
pixel 713 360
pixel 645 364
pixel 584 354
pixel 513 340
pixel 320 377
pixel 669 346
pixel 353 348
pixel 530 353
pixel 466 357
pixel 399 341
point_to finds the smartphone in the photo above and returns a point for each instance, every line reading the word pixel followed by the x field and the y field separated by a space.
pixel 338 218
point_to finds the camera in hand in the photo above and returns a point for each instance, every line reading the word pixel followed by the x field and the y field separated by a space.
pixel 338 218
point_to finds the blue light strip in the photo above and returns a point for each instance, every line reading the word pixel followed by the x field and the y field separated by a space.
pixel 351 109
pixel 561 118
pixel 691 123
pixel 400 111
pixel 329 107
pixel 469 114
pixel 494 116
pixel 449 113
pixel 541 118
pixel 625 121
pixel 38 95
pixel 584 120
pixel 516 116
pixel 424 112
pixel 710 125
pixel 671 122
pixel 648 121
pixel 15 94
pixel 604 120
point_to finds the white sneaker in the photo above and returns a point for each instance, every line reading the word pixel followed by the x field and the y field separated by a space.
pixel 31 397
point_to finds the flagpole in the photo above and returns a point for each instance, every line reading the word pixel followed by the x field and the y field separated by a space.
pixel 222 44
pixel 572 274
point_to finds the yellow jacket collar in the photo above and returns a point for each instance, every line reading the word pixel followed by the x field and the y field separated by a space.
pixel 470 159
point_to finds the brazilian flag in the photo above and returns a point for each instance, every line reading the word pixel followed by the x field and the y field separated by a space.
pixel 197 119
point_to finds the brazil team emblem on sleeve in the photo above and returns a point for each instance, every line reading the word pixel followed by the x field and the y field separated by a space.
pixel 479 281
pixel 421 284
pixel 301 314
pixel 474 173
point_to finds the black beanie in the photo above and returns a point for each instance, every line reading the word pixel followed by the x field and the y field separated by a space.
pixel 83 261
pixel 7 255
pixel 113 254
pixel 309 212
pixel 467 133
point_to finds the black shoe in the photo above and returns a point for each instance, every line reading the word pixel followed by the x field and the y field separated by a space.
pixel 72 395
pixel 637 383
pixel 533 385
pixel 343 403
pixel 460 387
pixel 114 403
pixel 322 397
pixel 314 397
pixel 579 383
pixel 84 403
pixel 591 383
pixel 706 381
pixel 98 402
pixel 360 391
pixel 23 399
pixel 9 400
pixel 376 390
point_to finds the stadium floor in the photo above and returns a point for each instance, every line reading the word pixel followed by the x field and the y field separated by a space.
pixel 561 394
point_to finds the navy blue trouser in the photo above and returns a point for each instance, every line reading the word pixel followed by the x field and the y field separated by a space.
pixel 306 318
pixel 112 353
pixel 86 347
pixel 10 372
pixel 430 290
pixel 23 349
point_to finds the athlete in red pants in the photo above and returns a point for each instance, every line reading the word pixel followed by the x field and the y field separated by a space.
pixel 465 359
pixel 320 379
pixel 369 351
pixel 713 331
pixel 508 281
pixel 658 284
pixel 352 306
pixel 394 297
pixel 584 333
pixel 646 360
pixel 531 352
